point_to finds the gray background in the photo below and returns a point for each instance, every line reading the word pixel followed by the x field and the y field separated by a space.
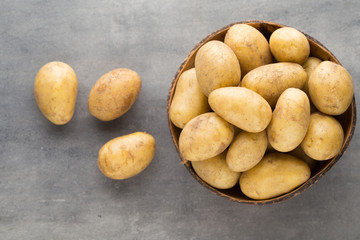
pixel 50 185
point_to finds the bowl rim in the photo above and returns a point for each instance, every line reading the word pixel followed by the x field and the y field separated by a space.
pixel 313 179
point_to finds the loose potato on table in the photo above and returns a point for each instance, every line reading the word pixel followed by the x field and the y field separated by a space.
pixel 55 92
pixel 114 94
pixel 331 88
pixel 242 107
pixel 289 45
pixel 126 156
pixel 216 66
pixel 205 136
pixel 215 172
pixel 246 150
pixel 273 79
pixel 324 137
pixel 250 46
pixel 274 175
pixel 290 120
pixel 188 101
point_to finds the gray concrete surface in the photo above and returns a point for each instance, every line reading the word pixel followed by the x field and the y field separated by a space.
pixel 50 186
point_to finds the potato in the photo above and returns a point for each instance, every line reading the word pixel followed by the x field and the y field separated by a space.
pixel 215 172
pixel 299 153
pixel 273 79
pixel 216 66
pixel 324 137
pixel 289 45
pixel 242 107
pixel 290 120
pixel 126 156
pixel 246 150
pixel 114 94
pixel 309 66
pixel 188 101
pixel 205 136
pixel 276 174
pixel 331 88
pixel 250 46
pixel 55 92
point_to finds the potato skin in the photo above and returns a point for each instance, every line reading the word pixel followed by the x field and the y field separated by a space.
pixel 205 136
pixel 271 80
pixel 290 120
pixel 114 93
pixel 216 66
pixel 324 137
pixel 274 175
pixel 246 150
pixel 126 156
pixel 289 45
pixel 250 46
pixel 55 92
pixel 331 88
pixel 309 65
pixel 241 107
pixel 188 101
pixel 215 172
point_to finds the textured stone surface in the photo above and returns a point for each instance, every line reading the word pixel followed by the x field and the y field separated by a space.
pixel 50 186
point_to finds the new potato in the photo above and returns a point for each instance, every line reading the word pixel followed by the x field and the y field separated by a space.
pixel 215 172
pixel 241 107
pixel 188 101
pixel 250 46
pixel 274 175
pixel 271 80
pixel 55 92
pixel 309 66
pixel 216 66
pixel 205 136
pixel 126 156
pixel 114 93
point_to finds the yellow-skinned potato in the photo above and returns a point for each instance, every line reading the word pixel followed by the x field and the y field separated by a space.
pixel 241 107
pixel 246 150
pixel 331 88
pixel 276 174
pixel 114 94
pixel 289 45
pixel 309 66
pixel 215 172
pixel 290 120
pixel 188 101
pixel 205 136
pixel 300 154
pixel 126 156
pixel 324 137
pixel 55 92
pixel 216 66
pixel 250 46
pixel 271 80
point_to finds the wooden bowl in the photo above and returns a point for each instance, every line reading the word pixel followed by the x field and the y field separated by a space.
pixel 347 119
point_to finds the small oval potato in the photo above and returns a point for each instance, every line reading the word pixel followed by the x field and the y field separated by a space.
pixel 114 94
pixel 289 45
pixel 215 172
pixel 205 136
pixel 242 107
pixel 246 150
pixel 331 88
pixel 188 101
pixel 55 92
pixel 216 66
pixel 324 137
pixel 271 80
pixel 276 174
pixel 250 46
pixel 126 156
pixel 309 66
pixel 300 154
pixel 290 120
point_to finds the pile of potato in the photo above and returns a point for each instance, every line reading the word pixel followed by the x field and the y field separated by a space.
pixel 258 112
